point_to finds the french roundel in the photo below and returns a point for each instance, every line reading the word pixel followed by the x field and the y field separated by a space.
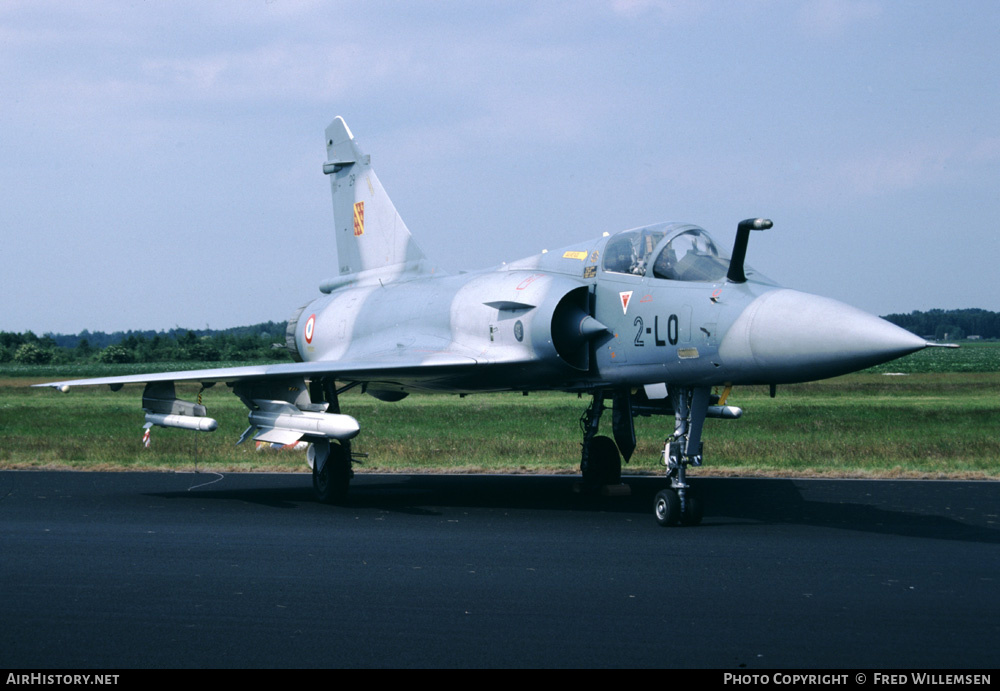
pixel 310 325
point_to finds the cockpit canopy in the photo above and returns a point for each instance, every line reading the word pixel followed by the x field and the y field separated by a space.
pixel 627 252
pixel 686 253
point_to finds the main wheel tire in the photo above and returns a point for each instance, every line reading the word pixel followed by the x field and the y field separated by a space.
pixel 667 507
pixel 331 471
pixel 603 464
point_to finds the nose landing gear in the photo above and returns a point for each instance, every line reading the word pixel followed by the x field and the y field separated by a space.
pixel 681 449
pixel 601 462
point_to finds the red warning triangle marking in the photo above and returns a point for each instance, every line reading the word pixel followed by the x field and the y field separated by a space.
pixel 625 297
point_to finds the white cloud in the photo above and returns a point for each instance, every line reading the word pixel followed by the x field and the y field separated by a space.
pixel 667 11
pixel 268 72
pixel 833 17
pixel 514 117
pixel 919 165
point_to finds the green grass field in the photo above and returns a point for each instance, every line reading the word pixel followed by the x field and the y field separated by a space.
pixel 939 420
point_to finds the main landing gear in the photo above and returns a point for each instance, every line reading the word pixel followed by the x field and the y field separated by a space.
pixel 330 460
pixel 331 470
pixel 601 462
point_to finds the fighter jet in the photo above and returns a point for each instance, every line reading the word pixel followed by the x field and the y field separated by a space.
pixel 646 321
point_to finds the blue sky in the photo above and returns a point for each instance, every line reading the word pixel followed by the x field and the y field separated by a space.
pixel 160 162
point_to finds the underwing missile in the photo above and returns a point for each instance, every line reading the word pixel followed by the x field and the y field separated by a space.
pixel 198 424
pixel 281 421
pixel 724 412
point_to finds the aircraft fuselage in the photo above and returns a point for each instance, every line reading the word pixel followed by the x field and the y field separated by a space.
pixel 573 320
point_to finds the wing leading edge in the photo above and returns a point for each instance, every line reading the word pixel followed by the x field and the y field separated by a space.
pixel 410 368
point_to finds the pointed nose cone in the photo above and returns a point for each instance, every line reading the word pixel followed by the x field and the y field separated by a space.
pixel 787 336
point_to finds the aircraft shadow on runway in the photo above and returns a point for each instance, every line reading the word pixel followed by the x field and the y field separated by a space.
pixel 847 505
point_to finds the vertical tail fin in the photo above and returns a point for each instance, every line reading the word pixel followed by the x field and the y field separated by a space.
pixel 372 240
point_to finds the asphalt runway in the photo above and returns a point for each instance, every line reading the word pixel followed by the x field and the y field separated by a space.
pixel 140 570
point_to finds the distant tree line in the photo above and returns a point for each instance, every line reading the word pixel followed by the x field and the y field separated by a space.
pixel 950 324
pixel 239 344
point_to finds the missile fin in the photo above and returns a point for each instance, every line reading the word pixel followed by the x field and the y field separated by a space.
pixel 278 436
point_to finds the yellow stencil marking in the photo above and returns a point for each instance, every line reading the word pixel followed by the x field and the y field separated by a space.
pixel 575 255
pixel 359 218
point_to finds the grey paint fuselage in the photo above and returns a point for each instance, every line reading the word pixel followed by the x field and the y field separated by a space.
pixel 682 332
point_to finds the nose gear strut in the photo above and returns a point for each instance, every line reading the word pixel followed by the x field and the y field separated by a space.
pixel 681 449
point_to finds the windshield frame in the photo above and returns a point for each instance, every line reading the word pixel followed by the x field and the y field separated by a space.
pixel 712 268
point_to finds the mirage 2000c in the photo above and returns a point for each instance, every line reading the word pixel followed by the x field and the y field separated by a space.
pixel 645 321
